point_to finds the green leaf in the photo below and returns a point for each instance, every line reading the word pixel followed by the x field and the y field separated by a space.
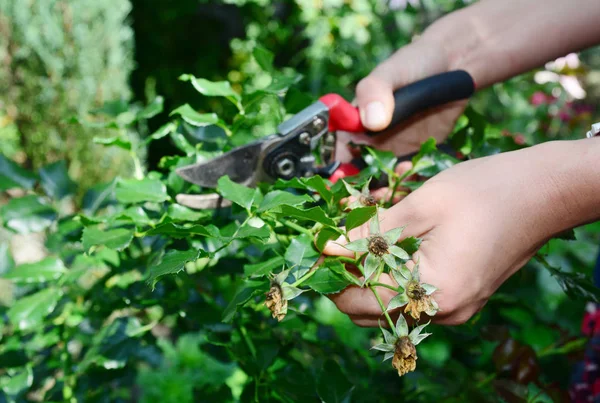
pixel 263 268
pixel 50 268
pixel 333 386
pixel 410 244
pixel 6 260
pixel 325 235
pixel 247 291
pixel 116 141
pixel 162 131
pixel 383 160
pixel 29 312
pixel 113 344
pixel 117 239
pixel 135 214
pixel 152 109
pixel 277 198
pixel 98 197
pixel 13 176
pixel 315 214
pixel 264 58
pixel 141 190
pixel 177 212
pixel 27 214
pixel 18 382
pixel 172 263
pixel 328 281
pixel 211 88
pixel 239 194
pixel 194 118
pixel 173 230
pixel 249 231
pixel 55 180
pixel 301 253
pixel 429 161
pixel 319 185
pixel 359 216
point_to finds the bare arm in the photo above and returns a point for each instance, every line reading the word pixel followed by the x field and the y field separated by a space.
pixel 498 39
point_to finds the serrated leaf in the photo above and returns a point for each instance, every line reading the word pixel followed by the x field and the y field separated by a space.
pixel 245 293
pixel 318 184
pixel 359 216
pixel 325 235
pixel 398 301
pixel 141 190
pixel 194 118
pixel 55 180
pixel 172 263
pixel 50 268
pixel 278 198
pixel 177 212
pixel 136 215
pixel 29 312
pixel 327 281
pixel 117 239
pixel 239 194
pixel 27 214
pixel 263 268
pixel 116 141
pixel 248 231
pixel 383 160
pixel 13 176
pixel 301 253
pixel 315 214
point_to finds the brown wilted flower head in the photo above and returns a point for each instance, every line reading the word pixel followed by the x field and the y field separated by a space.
pixel 420 300
pixel 367 200
pixel 416 295
pixel 364 198
pixel 276 303
pixel 378 245
pixel 405 356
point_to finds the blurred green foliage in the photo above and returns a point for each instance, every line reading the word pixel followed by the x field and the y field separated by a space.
pixel 60 59
pixel 99 333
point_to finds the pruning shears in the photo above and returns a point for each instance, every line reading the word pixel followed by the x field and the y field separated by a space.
pixel 304 145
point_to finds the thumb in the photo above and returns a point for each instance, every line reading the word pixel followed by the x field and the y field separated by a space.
pixel 375 99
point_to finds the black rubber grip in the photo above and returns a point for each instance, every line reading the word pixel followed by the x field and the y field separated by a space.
pixel 430 92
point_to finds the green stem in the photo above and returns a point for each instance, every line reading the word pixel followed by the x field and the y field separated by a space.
pixel 248 341
pixel 295 226
pixel 346 259
pixel 387 315
pixel 306 276
pixel 376 284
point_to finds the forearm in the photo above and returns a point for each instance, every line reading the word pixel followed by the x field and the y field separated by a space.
pixel 569 183
pixel 497 39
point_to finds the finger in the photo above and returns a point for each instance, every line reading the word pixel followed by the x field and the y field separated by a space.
pixel 374 95
pixel 357 301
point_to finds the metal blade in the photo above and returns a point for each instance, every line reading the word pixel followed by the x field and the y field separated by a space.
pixel 240 164
pixel 202 202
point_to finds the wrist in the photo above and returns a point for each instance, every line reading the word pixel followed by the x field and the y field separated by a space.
pixel 569 184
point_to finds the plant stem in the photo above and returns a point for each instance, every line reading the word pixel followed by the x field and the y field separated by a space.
pixel 295 226
pixel 306 276
pixel 376 284
pixel 387 315
pixel 248 341
pixel 346 259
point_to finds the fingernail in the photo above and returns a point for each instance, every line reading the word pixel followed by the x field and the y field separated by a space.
pixel 374 115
